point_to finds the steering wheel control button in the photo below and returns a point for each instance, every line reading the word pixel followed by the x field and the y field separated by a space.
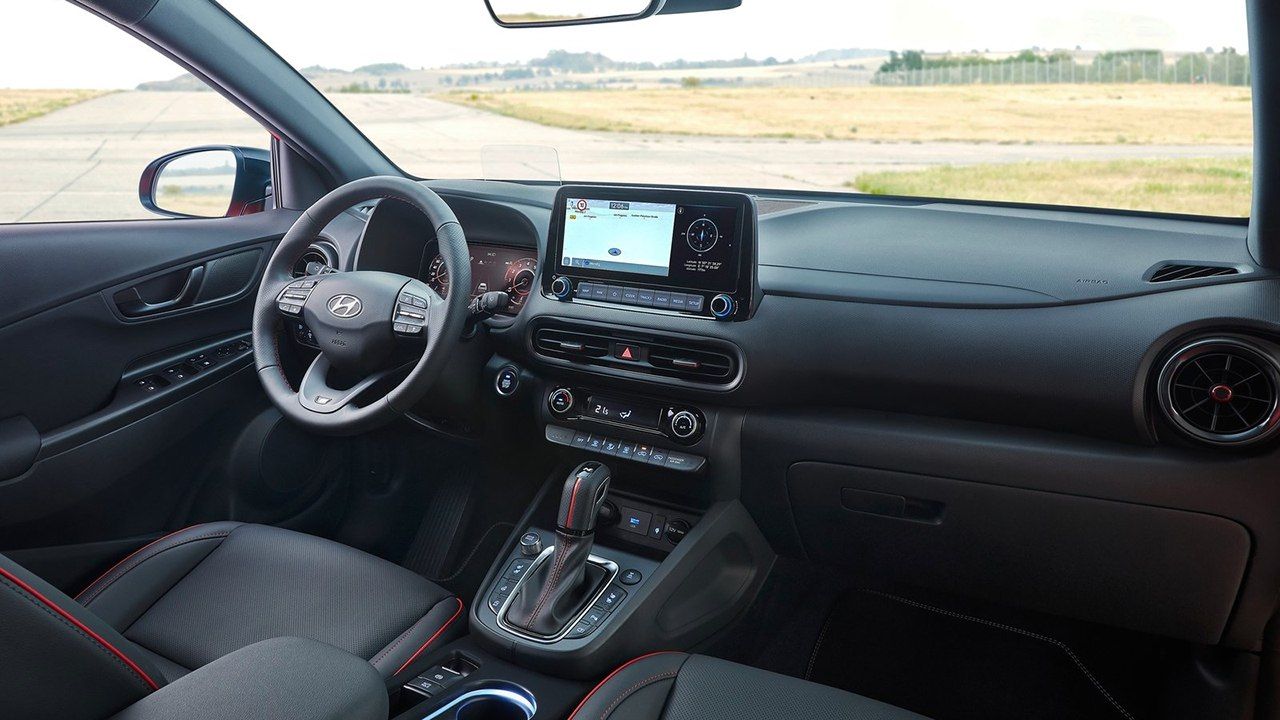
pixel 560 401
pixel 562 288
pixel 507 381
pixel 530 544
pixel 722 307
pixel 630 577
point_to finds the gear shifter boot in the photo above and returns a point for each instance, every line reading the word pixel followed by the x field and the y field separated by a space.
pixel 559 587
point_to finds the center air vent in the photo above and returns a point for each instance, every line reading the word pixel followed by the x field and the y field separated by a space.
pixel 689 361
pixel 319 256
pixel 1222 390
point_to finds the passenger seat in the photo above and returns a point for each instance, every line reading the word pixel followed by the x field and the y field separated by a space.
pixel 678 686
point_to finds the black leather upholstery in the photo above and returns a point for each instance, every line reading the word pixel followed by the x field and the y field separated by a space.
pixel 279 679
pixel 557 589
pixel 200 593
pixel 676 686
pixel 58 660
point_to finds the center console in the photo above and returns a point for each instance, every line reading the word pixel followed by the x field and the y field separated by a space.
pixel 684 252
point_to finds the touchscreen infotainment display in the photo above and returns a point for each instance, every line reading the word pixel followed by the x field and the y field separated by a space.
pixel 685 245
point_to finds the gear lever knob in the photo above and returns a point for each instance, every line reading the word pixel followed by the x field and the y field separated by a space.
pixel 584 492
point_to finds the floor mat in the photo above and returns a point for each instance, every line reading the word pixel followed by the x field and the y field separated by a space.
pixel 951 664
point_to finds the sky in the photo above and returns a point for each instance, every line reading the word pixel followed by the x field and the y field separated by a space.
pixel 51 43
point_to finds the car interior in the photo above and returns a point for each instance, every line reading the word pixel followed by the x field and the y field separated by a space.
pixel 782 454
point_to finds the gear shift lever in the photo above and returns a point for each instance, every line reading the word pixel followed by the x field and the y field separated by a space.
pixel 558 588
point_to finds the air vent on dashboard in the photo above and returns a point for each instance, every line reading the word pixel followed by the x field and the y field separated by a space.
pixel 1222 390
pixel 1171 271
pixel 664 357
pixel 319 256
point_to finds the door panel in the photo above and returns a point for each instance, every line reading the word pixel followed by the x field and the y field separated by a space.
pixel 126 372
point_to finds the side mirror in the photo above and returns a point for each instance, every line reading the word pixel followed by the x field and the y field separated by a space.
pixel 210 181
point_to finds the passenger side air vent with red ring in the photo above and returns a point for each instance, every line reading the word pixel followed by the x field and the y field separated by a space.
pixel 1222 390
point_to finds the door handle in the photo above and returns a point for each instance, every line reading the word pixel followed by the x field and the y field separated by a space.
pixel 132 305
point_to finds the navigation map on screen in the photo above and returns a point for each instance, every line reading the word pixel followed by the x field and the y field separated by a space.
pixel 620 236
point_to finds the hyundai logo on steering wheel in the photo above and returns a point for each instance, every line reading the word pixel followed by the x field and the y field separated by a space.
pixel 345 306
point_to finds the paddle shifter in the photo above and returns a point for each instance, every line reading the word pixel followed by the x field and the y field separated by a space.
pixel 559 587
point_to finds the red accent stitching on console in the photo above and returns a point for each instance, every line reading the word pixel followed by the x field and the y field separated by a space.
pixel 83 628
pixel 610 676
pixel 431 639
pixel 130 556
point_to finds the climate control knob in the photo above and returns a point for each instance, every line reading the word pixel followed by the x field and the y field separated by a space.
pixel 722 306
pixel 562 288
pixel 560 401
pixel 685 425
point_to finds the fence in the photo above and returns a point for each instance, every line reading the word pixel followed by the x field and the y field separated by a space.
pixel 1222 69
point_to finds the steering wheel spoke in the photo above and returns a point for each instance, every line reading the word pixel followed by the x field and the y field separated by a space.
pixel 315 393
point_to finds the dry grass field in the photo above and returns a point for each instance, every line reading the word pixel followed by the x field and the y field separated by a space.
pixel 19 105
pixel 1200 186
pixel 1092 114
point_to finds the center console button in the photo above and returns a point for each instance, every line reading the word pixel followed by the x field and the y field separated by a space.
pixel 630 296
pixel 642 453
pixel 599 291
pixel 613 293
pixel 580 439
pixel 610 446
pixel 644 298
pixel 658 456
pixel 530 544
pixel 611 598
pixel 596 443
pixel 661 299
pixel 581 630
pixel 655 532
pixel 677 301
pixel 516 569
pixel 630 577
pixel 559 435
pixel 595 616
pixel 626 450
pixel 694 303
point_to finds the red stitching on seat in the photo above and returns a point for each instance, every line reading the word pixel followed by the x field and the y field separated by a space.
pixel 628 692
pixel 128 557
pixel 83 628
pixel 611 675
pixel 431 639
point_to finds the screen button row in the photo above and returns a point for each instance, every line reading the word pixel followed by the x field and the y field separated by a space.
pixel 642 297
pixel 625 449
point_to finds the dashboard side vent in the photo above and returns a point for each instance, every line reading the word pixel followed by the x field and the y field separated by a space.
pixel 1170 272
pixel 1222 390
pixel 319 256
pixel 688 361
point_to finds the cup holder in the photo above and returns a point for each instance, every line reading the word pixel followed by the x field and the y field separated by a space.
pixel 496 702
pixel 492 707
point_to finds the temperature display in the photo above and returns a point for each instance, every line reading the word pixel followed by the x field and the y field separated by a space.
pixel 625 412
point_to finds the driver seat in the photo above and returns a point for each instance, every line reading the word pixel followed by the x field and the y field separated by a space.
pixel 195 595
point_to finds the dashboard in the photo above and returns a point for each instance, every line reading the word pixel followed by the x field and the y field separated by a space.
pixel 905 379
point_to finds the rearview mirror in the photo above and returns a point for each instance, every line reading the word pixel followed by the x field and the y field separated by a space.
pixel 534 13
pixel 215 181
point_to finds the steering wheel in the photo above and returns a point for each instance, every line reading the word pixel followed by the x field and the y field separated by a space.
pixel 369 325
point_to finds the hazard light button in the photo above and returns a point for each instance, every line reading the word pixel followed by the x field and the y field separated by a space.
pixel 631 353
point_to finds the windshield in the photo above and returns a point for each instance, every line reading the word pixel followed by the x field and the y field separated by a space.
pixel 1137 104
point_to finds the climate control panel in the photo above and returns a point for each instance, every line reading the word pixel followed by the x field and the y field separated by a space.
pixel 683 424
